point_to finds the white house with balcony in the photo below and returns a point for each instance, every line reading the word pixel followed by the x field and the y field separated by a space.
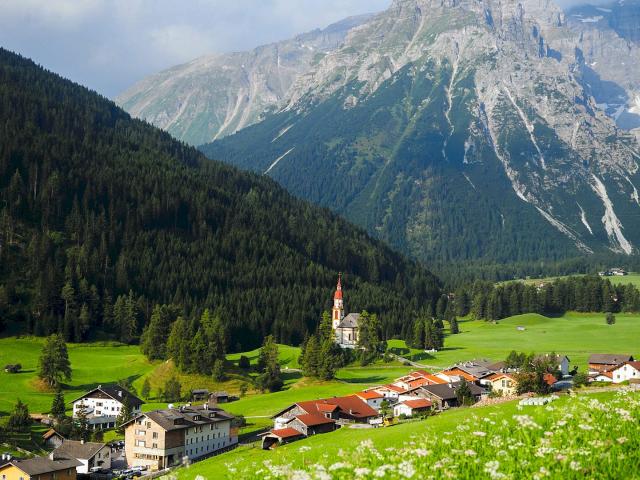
pixel 103 404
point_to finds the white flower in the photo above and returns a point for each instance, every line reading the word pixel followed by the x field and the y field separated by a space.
pixel 470 453
pixel 574 465
pixel 526 421
pixel 304 449
pixel 338 466
pixel 622 440
pixel 480 434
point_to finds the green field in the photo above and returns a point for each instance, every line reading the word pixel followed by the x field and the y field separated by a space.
pixel 576 335
pixel 633 278
pixel 92 364
pixel 451 435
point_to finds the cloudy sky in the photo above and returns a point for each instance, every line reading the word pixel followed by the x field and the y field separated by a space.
pixel 109 44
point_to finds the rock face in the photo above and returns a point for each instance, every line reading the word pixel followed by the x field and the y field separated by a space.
pixel 216 95
pixel 467 129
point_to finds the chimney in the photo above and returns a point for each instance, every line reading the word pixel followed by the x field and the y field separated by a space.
pixel 120 393
pixel 206 406
pixel 99 386
pixel 82 441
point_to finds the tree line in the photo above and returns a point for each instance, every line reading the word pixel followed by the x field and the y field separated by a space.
pixel 489 301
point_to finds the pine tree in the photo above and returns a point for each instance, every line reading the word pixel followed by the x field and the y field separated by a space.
pixel 58 408
pixel 418 338
pixel 269 365
pixel 19 420
pixel 610 318
pixel 218 370
pixel 463 394
pixel 84 321
pixel 328 359
pixel 172 390
pixel 325 329
pixel 81 423
pixel 126 414
pixel 453 326
pixel 54 365
pixel 146 389
pixel 311 359
pixel 200 361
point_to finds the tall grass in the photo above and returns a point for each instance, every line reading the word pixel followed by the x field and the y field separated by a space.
pixel 586 437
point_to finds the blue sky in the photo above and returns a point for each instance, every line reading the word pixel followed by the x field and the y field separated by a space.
pixel 108 45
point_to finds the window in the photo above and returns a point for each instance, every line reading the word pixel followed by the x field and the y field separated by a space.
pixel 155 435
pixel 148 424
pixel 140 443
pixel 140 432
pixel 98 404
pixel 154 445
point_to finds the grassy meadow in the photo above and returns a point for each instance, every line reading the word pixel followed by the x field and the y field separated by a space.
pixel 585 436
pixel 575 334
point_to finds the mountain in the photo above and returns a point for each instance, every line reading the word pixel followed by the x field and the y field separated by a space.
pixel 216 95
pixel 464 130
pixel 102 217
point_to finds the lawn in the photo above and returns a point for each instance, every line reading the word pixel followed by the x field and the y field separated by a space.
pixel 92 364
pixel 457 436
pixel 576 335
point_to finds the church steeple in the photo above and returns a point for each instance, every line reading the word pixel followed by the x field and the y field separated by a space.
pixel 337 312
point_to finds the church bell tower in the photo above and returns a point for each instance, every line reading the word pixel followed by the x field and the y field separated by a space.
pixel 337 312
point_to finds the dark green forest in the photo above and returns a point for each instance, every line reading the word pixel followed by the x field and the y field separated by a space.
pixel 103 217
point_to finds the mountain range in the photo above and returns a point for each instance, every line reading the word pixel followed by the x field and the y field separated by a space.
pixel 463 130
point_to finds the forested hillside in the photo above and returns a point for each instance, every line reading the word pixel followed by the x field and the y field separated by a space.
pixel 102 217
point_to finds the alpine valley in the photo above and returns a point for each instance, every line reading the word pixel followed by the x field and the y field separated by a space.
pixel 458 130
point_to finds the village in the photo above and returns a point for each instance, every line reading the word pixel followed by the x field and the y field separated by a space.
pixel 179 434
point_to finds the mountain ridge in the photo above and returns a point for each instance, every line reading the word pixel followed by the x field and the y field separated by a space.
pixel 484 85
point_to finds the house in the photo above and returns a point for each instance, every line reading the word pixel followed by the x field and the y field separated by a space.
pixel 312 424
pixel 391 392
pixel 617 272
pixel 601 377
pixel 199 395
pixel 52 439
pixel 280 437
pixel 504 384
pixel 455 374
pixel 219 397
pixel 409 408
pixel 349 409
pixel 345 328
pixel 479 371
pixel 39 468
pixel 444 396
pixel 89 454
pixel 372 398
pixel 102 405
pixel 627 372
pixel 417 379
pixel 163 438
pixel 601 362
pixel 561 362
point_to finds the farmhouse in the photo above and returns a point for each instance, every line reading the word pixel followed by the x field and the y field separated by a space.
pixel 163 438
pixel 391 392
pixel 372 398
pixel 601 362
pixel 102 405
pixel 504 384
pixel 480 372
pixel 601 377
pixel 444 396
pixel 88 454
pixel 52 439
pixel 39 468
pixel 627 372
pixel 349 409
pixel 411 407
pixel 455 374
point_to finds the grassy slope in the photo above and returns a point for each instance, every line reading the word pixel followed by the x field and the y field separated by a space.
pixel 329 446
pixel 633 278
pixel 92 364
pixel 575 334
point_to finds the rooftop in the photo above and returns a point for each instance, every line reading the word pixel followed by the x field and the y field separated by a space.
pixel 42 465
pixel 76 449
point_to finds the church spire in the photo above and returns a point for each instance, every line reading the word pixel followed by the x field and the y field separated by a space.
pixel 337 312
pixel 338 295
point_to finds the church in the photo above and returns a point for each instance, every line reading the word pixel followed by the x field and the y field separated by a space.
pixel 345 328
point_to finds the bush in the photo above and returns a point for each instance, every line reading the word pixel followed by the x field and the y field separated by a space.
pixel 244 362
pixel 13 368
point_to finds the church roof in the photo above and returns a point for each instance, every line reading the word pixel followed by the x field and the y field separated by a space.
pixel 350 321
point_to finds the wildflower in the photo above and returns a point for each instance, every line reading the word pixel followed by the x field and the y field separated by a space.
pixel 526 421
pixel 492 469
pixel 480 434
pixel 622 440
pixel 470 453
pixel 362 471
pixel 338 466
pixel 304 449
pixel 406 469
pixel 574 466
